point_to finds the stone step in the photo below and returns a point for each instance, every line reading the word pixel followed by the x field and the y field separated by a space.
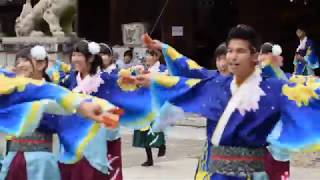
pixel 192 120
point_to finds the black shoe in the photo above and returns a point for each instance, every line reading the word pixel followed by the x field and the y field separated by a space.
pixel 147 164
pixel 162 151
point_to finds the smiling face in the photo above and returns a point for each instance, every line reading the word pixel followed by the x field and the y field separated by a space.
pixel 241 57
pixel 24 67
pixel 79 62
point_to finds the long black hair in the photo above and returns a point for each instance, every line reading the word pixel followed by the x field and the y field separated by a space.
pixel 45 75
pixel 83 47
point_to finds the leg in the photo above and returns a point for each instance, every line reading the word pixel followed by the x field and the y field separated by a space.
pixel 276 169
pixel 65 171
pixel 17 168
pixel 114 155
pixel 149 161
pixel 162 150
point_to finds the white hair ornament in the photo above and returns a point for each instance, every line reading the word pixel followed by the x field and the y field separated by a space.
pixel 276 50
pixel 38 52
pixel 94 48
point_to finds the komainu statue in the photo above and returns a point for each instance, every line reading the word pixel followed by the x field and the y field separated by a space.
pixel 47 17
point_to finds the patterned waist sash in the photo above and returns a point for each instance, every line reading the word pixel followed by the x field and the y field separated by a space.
pixel 236 161
pixel 35 142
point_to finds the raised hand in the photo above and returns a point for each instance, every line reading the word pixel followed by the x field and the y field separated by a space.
pixel 150 43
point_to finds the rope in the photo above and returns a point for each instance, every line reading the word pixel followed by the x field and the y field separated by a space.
pixel 158 18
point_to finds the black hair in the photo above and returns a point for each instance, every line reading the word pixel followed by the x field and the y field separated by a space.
pixel 44 73
pixel 220 50
pixel 154 52
pixel 266 48
pixel 46 77
pixel 157 53
pixel 128 53
pixel 105 49
pixel 83 47
pixel 25 54
pixel 303 27
pixel 245 32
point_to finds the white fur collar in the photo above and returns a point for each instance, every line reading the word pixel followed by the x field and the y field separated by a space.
pixel 247 96
pixel 88 84
pixel 302 44
pixel 110 68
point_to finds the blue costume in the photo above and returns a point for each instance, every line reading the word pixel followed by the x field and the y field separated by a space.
pixel 106 86
pixel 21 112
pixel 241 118
pixel 310 61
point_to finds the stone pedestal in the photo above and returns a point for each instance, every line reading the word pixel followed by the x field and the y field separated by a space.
pixel 62 46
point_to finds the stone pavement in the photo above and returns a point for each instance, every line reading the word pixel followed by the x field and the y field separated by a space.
pixel 171 170
pixel 184 146
pixel 305 166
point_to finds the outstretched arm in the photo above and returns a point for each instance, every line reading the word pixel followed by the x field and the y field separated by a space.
pixel 178 64
pixel 300 109
pixel 19 90
pixel 186 93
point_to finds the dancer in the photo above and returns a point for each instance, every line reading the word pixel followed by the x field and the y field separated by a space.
pixel 242 110
pixel 145 138
pixel 27 160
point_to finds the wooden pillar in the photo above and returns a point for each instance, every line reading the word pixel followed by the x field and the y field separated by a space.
pixel 93 21
pixel 117 16
pixel 8 15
